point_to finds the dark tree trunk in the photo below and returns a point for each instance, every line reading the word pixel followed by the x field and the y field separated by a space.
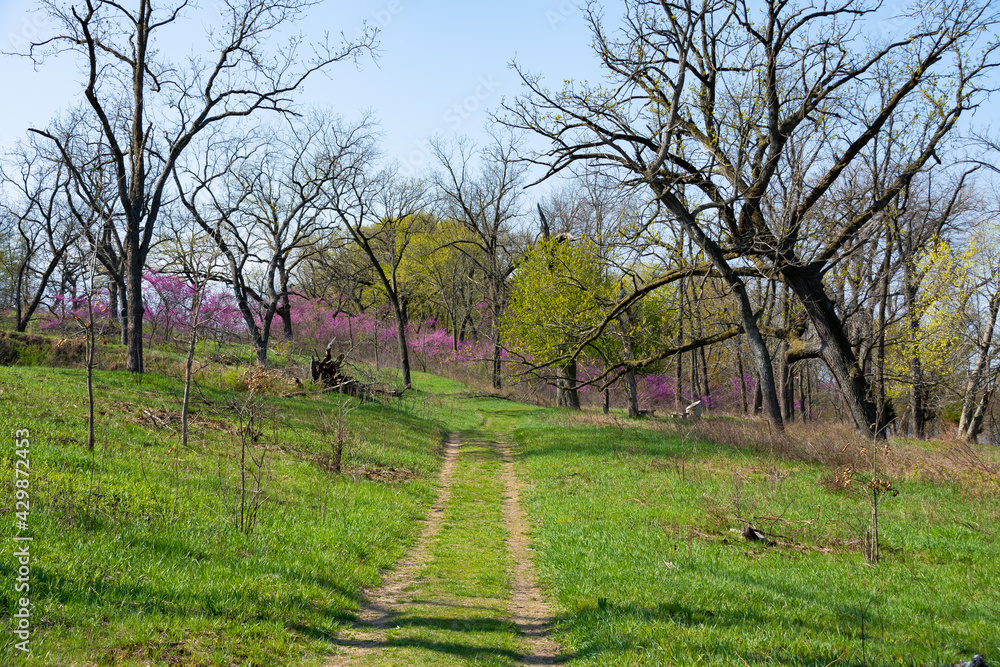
pixel 25 311
pixel 498 344
pixel 285 313
pixel 567 394
pixel 918 408
pixel 743 380
pixel 404 352
pixel 123 314
pixel 807 284
pixel 802 396
pixel 112 299
pixel 133 314
pixel 679 367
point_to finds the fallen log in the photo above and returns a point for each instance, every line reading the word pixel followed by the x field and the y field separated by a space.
pixel 331 374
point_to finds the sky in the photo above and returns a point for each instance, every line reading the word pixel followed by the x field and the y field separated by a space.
pixel 442 66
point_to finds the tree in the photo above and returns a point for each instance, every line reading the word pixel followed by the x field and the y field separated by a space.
pixel 713 105
pixel 381 213
pixel 262 199
pixel 485 199
pixel 445 275
pixel 37 209
pixel 982 309
pixel 559 291
pixel 150 110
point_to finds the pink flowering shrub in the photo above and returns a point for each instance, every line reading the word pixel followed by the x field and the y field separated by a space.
pixel 169 303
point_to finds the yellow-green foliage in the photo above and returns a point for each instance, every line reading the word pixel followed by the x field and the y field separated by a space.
pixel 559 292
pixel 937 341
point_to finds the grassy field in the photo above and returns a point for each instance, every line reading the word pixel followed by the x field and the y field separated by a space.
pixel 638 541
pixel 136 559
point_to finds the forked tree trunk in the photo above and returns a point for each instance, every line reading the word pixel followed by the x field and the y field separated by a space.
pixel 973 410
pixel 836 351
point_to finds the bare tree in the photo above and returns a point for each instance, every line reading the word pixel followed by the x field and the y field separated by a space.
pixel 37 209
pixel 150 110
pixel 381 213
pixel 707 104
pixel 262 200
pixel 485 198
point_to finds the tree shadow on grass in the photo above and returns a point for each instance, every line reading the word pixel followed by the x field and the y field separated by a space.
pixel 609 646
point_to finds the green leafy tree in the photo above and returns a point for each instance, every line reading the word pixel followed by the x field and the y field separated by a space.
pixel 559 292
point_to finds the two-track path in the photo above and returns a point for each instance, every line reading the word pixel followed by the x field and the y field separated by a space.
pixel 467 592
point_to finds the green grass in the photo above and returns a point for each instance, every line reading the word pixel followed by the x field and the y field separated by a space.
pixel 135 559
pixel 636 542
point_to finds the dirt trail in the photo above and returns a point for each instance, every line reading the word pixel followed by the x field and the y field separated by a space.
pixel 383 604
pixel 386 606
pixel 528 609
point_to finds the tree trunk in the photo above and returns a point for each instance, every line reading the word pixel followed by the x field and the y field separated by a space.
pixel 806 283
pixel 112 299
pixel 567 394
pixel 498 345
pixel 133 314
pixel 758 348
pixel 743 380
pixel 632 393
pixel 802 396
pixel 975 423
pixel 968 425
pixel 404 352
pixel 123 314
pixel 786 389
pixel 285 313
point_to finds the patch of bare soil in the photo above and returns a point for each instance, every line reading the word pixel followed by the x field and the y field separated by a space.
pixel 386 474
pixel 528 609
pixel 384 604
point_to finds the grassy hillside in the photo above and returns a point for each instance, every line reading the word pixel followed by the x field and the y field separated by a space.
pixel 136 558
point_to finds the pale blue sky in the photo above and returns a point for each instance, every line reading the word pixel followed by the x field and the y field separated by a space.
pixel 442 65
